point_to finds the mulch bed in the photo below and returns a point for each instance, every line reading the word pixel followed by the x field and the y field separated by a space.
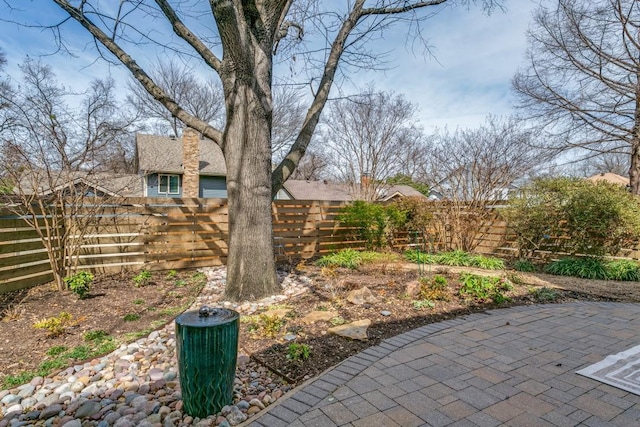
pixel 23 348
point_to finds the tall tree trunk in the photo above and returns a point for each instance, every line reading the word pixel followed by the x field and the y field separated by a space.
pixel 251 271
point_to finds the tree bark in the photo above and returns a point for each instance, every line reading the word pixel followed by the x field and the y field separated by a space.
pixel 246 73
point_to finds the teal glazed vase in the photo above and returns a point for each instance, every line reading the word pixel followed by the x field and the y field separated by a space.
pixel 207 350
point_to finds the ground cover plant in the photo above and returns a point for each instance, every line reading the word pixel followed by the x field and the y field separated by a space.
pixel 456 258
pixel 595 268
pixel 276 337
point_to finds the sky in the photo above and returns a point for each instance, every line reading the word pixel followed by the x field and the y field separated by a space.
pixel 468 76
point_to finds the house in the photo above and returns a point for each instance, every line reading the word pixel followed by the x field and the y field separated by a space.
pixel 194 167
pixel 295 189
pixel 88 184
pixel 610 177
pixel 181 167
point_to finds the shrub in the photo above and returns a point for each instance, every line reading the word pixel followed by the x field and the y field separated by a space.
pixel 142 278
pixel 574 216
pixel 299 351
pixel 368 220
pixel 79 283
pixel 585 268
pixel 412 214
pixel 457 258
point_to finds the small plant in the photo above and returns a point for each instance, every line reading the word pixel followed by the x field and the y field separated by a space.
pixel 138 301
pixel 299 351
pixel 131 317
pixel 80 283
pixel 171 274
pixel 439 282
pixel 55 325
pixel 12 312
pixel 484 288
pixel 95 335
pixel 524 265
pixel 270 326
pixel 56 350
pixel 422 304
pixel 585 268
pixel 142 278
pixel 180 283
pixel 199 277
pixel 337 321
pixel 434 288
pixel 544 294
pixel 81 352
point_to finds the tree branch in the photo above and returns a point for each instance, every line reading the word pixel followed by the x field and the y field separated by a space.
pixel 158 94
pixel 184 33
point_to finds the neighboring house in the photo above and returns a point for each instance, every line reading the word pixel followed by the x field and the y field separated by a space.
pixel 610 177
pixel 181 167
pixel 90 184
pixel 294 189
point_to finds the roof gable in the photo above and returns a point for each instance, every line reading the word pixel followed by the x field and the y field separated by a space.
pixel 164 154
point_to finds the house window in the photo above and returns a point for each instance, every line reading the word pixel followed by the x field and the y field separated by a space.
pixel 169 184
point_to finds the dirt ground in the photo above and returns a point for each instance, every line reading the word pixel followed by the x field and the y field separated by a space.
pixel 126 312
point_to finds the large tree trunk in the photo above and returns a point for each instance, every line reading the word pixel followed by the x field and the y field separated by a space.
pixel 251 271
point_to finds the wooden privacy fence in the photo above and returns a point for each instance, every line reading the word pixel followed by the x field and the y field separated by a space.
pixel 162 234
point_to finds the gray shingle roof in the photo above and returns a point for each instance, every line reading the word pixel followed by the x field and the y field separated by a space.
pixel 164 154
pixel 324 190
pixel 44 182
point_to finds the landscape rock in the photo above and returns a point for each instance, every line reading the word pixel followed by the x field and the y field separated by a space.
pixel 355 330
pixel 413 289
pixel 361 296
pixel 319 316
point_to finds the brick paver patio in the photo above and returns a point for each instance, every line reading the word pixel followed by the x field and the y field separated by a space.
pixel 513 367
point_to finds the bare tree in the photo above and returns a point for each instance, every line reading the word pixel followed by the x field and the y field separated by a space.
pixel 249 35
pixel 51 154
pixel 368 137
pixel 582 77
pixel 201 99
pixel 313 166
pixel 471 169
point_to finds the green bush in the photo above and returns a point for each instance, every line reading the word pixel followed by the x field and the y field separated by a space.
pixel 573 216
pixel 79 283
pixel 585 268
pixel 368 221
pixel 348 258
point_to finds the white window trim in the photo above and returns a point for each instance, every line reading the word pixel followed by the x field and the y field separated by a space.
pixel 160 175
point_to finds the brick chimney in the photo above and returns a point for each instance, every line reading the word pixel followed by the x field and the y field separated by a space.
pixel 190 162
